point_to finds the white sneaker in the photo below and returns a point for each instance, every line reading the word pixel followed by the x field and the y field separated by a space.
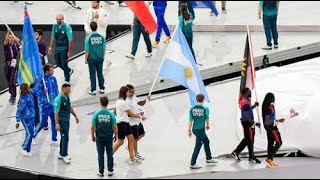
pixel 101 91
pixel 24 153
pixel 267 48
pixel 148 55
pixel 195 167
pixel 130 56
pixel 55 143
pixel 211 161
pixel 92 93
pixel 110 173
pixel 100 175
pixel 276 46
pixel 138 156
pixel 135 161
pixel 29 154
pixel 59 156
pixel 67 159
pixel 109 2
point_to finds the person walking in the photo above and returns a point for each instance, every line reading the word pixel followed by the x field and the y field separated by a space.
pixel 62 110
pixel 61 36
pixel 25 114
pixel 269 18
pixel 270 125
pixel 248 123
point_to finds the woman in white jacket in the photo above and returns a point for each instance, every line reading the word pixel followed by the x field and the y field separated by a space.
pixel 98 14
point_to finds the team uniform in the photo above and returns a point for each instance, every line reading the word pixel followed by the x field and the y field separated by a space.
pixel 124 128
pixel 135 123
pixel 25 114
pixel 104 120
pixel 47 107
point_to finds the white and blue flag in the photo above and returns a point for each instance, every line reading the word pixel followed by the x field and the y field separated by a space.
pixel 179 66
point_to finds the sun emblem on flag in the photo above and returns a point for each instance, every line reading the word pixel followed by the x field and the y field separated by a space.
pixel 243 67
pixel 188 72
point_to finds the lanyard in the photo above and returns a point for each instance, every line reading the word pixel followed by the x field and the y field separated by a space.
pixel 12 55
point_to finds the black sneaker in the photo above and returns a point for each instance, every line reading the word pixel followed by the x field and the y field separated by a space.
pixel 13 101
pixel 46 128
pixel 76 7
pixel 254 160
pixel 236 156
pixel 68 2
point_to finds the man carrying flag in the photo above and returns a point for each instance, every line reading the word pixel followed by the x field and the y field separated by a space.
pixel 247 118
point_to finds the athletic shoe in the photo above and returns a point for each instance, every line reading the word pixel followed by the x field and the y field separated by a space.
pixel 211 161
pixel 134 161
pixel 24 153
pixel 138 156
pixel 100 175
pixel 93 93
pixel 268 162
pixel 130 56
pixel 123 5
pixel 29 154
pixel 109 2
pixel 255 160
pixel 155 44
pixel 224 10
pixel 148 54
pixel 276 46
pixel 236 156
pixel 101 91
pixel 55 143
pixel 110 173
pixel 67 159
pixel 274 163
pixel 195 166
pixel 69 3
pixel 46 128
pixel 76 7
pixel 13 101
pixel 59 156
pixel 28 2
pixel 167 39
pixel 267 48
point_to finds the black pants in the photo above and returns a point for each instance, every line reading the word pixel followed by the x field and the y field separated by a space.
pixel 248 140
pixel 274 136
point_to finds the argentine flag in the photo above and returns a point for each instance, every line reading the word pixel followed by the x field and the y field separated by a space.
pixel 179 66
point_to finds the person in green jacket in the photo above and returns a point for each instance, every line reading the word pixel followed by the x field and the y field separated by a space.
pixel 186 23
pixel 95 47
pixel 62 110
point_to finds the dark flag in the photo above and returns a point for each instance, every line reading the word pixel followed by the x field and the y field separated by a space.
pixel 248 68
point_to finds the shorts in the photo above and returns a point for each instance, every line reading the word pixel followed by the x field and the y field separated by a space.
pixel 137 131
pixel 124 130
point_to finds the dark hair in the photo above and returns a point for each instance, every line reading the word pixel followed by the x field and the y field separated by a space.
pixel 104 101
pixel 130 86
pixel 93 26
pixel 184 11
pixel 200 98
pixel 66 85
pixel 47 67
pixel 123 92
pixel 268 99
pixel 23 89
pixel 97 1
pixel 39 31
pixel 244 91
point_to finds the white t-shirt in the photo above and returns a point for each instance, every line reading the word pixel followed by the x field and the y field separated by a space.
pixel 102 21
pixel 121 107
pixel 135 108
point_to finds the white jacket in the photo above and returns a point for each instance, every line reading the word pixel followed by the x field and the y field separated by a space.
pixel 102 20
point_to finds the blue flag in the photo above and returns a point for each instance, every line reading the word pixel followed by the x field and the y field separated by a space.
pixel 205 4
pixel 30 67
pixel 179 66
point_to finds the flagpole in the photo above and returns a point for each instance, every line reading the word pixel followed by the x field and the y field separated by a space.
pixel 44 84
pixel 155 79
pixel 255 88
pixel 5 23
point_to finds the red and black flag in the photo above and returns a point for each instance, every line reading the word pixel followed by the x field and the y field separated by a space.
pixel 248 74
